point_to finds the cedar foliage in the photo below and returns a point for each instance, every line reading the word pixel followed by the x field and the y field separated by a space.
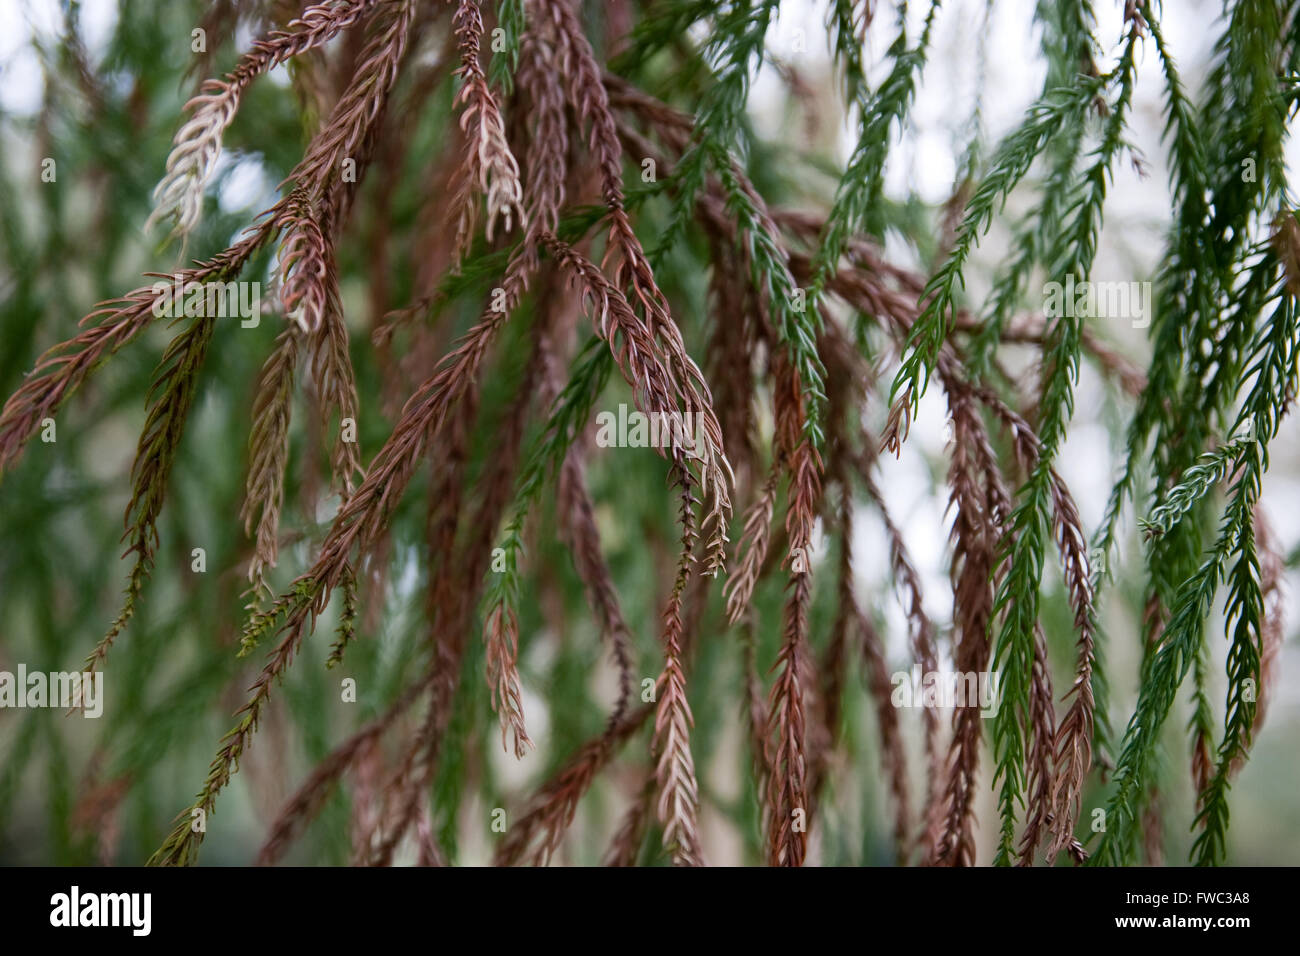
pixel 494 220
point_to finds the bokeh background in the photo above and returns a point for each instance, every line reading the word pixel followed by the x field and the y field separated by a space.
pixel 99 86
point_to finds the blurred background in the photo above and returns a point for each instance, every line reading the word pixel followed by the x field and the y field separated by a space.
pixel 99 86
